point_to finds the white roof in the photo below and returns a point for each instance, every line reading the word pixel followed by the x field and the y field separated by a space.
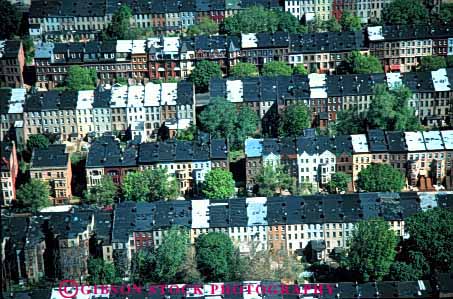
pixel 19 124
pixel 171 44
pixel 414 141
pixel 152 94
pixel 447 137
pixel 375 33
pixel 394 80
pixel 139 46
pixel 17 100
pixel 85 99
pixel 153 42
pixel 181 124
pixel 123 46
pixel 119 96
pixel 433 140
pixel 169 93
pixel 249 40
pixel 359 143
pixel 200 213
pixel 56 209
pixel 318 89
pixel 234 91
pixel 440 80
pixel 135 96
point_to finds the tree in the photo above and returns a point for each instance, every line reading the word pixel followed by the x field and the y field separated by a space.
pixel 187 134
pixel 202 74
pixel 259 19
pixel 350 22
pixel 402 12
pixel 338 182
pixel 38 141
pixel 300 70
pixel 357 63
pixel 416 267
pixel 431 233
pixel 273 180
pixel 244 69
pixel 380 178
pixel 136 186
pixel 206 26
pixel 277 68
pixel 446 12
pixel 189 272
pixel 120 26
pixel 10 19
pixel 219 127
pixel 389 110
pixel 288 267
pixel 81 78
pixel 246 124
pixel 101 272
pixel 432 63
pixel 294 119
pixel 218 184
pixel 150 185
pixel 33 195
pixel 171 255
pixel 103 194
pixel 449 61
pixel 372 250
pixel 350 122
pixel 215 256
pixel 332 25
pixel 143 263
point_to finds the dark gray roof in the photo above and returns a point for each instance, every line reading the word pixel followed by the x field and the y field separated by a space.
pixel 106 151
pixel 219 149
pixel 343 144
pixel 350 85
pixel 11 49
pixel 54 156
pixel 103 223
pixel 396 142
pixel 418 81
pixel 123 221
pixel 62 8
pixel 277 39
pixel 51 100
pixel 377 141
pixel 327 42
pixel 411 32
pixel 318 144
pixel 185 93
pixel 176 212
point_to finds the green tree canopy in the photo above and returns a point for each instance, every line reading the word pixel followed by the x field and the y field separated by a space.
pixel 405 12
pixel 350 22
pixel 206 26
pixel 218 184
pixel 372 250
pixel 150 185
pixel 300 70
pixel 273 180
pixel 259 19
pixel 449 61
pixel 294 119
pixel 446 12
pixel 277 68
pixel 244 69
pixel 331 25
pixel 10 19
pixel 338 182
pixel 389 110
pixel 80 78
pixel 432 63
pixel 104 193
pixel 187 134
pixel 215 255
pixel 380 178
pixel 202 74
pixel 350 122
pixel 431 234
pixel 33 195
pixel 357 63
pixel 171 255
pixel 101 272
pixel 121 26
pixel 38 141
pixel 234 125
pixel 416 267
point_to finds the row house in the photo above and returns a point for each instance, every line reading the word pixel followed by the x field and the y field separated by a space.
pixel 69 232
pixel 12 63
pixel 69 20
pixel 307 9
pixel 188 162
pixel 326 95
pixel 400 48
pixel 12 113
pixel 107 157
pixel 53 166
pixel 312 226
pixel 261 48
pixel 9 169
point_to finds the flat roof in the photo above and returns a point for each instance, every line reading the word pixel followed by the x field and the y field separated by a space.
pixel 433 140
pixel 440 80
pixel 447 137
pixel 359 143
pixel 200 213
pixel 253 147
pixel 235 91
pixel 414 141
pixel 256 211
